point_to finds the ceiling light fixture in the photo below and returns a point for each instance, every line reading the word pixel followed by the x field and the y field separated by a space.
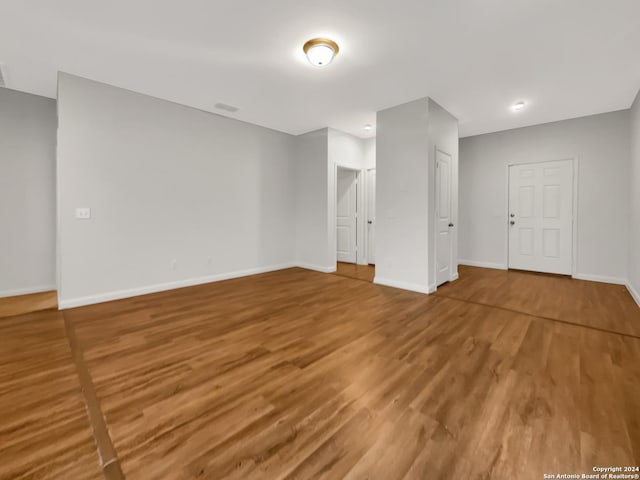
pixel 518 106
pixel 368 127
pixel 320 51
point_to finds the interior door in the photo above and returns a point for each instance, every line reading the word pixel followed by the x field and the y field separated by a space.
pixel 346 222
pixel 371 217
pixel 541 217
pixel 443 217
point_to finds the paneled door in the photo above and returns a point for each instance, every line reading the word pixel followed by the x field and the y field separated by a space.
pixel 346 216
pixel 371 216
pixel 541 217
pixel 444 222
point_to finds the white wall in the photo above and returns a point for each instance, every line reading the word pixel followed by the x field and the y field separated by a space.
pixel 601 145
pixel 369 147
pixel 27 193
pixel 165 183
pixel 406 142
pixel 402 146
pixel 312 201
pixel 443 135
pixel 634 211
pixel 346 150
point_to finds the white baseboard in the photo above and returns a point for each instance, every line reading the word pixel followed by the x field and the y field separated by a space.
pixel 414 287
pixel 600 278
pixel 317 268
pixel 27 291
pixel 634 293
pixel 578 276
pixel 454 277
pixel 473 263
pixel 161 287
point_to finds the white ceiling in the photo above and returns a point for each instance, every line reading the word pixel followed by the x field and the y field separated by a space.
pixel 565 58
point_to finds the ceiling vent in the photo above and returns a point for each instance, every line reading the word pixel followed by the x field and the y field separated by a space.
pixel 3 75
pixel 226 108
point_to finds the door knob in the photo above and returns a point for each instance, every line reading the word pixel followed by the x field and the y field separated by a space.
pixel 512 215
pixel 369 222
pixel 512 222
pixel 451 224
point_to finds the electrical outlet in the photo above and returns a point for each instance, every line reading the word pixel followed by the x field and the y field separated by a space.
pixel 83 213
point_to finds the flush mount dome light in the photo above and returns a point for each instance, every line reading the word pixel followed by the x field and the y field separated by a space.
pixel 368 127
pixel 518 106
pixel 320 51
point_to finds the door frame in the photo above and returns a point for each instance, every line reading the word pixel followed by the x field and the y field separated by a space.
pixel 574 221
pixel 361 258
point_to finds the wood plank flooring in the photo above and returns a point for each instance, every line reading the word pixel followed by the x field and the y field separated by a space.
pixel 359 272
pixel 44 431
pixel 297 375
pixel 34 302
pixel 594 304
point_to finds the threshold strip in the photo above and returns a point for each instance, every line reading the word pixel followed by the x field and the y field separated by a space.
pixel 107 456
pixel 549 319
pixel 511 310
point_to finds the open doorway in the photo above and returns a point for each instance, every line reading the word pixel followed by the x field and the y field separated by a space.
pixel 347 207
pixel 355 223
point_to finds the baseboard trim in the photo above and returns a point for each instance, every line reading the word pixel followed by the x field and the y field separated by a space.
pixel 27 291
pixel 577 276
pixel 317 268
pixel 473 263
pixel 454 277
pixel 600 278
pixel 413 287
pixel 64 304
pixel 634 293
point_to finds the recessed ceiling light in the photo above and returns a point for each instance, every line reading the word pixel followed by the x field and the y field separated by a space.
pixel 320 51
pixel 368 127
pixel 518 106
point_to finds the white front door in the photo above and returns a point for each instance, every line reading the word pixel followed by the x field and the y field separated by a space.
pixel 443 217
pixel 371 217
pixel 346 223
pixel 541 217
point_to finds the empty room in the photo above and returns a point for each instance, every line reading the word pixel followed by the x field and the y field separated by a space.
pixel 319 240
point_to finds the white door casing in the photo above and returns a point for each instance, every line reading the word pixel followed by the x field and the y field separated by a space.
pixel 541 217
pixel 444 221
pixel 346 216
pixel 371 216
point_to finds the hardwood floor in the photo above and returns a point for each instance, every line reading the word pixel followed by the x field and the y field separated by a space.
pixel 284 375
pixel 594 304
pixel 44 431
pixel 10 306
pixel 359 272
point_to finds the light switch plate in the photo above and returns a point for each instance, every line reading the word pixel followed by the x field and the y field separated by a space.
pixel 83 213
